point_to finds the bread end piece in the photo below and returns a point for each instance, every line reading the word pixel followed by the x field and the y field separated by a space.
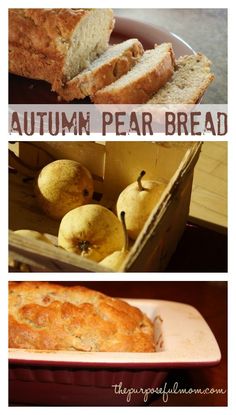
pixel 191 78
pixel 55 44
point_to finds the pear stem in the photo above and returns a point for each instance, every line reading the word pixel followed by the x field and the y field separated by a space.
pixel 139 181
pixel 126 238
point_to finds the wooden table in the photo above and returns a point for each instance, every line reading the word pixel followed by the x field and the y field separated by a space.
pixel 210 298
pixel 209 192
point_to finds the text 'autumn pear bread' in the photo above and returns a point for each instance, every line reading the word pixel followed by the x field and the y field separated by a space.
pixel 54 45
pixel 191 78
pixel 153 70
pixel 47 316
pixel 116 61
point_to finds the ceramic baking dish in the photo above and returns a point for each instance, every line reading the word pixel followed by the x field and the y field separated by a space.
pixel 183 339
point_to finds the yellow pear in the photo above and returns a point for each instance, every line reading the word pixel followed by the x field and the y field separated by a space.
pixel 138 200
pixel 28 233
pixel 91 231
pixel 116 259
pixel 62 186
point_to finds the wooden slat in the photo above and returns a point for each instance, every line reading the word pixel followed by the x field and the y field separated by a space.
pixel 206 163
pixel 209 194
pixel 213 150
pixel 211 183
pixel 221 172
pixel 208 218
pixel 43 257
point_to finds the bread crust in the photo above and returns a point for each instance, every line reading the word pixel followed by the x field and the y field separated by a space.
pixel 87 83
pixel 39 40
pixel 141 89
pixel 48 316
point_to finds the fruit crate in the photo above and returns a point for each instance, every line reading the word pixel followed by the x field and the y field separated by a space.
pixel 114 165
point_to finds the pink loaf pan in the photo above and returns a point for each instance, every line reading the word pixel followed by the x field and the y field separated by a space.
pixel 183 339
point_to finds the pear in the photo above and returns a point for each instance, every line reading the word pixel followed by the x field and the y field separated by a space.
pixel 91 231
pixel 62 186
pixel 28 233
pixel 138 200
pixel 116 259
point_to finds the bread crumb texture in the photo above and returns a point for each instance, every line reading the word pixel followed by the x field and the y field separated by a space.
pixel 116 61
pixel 191 78
pixel 152 71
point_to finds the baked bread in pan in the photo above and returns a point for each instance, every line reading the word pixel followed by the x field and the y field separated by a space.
pixel 48 316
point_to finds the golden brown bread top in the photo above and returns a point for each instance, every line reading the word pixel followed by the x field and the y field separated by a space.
pixel 45 24
pixel 50 316
pixel 40 37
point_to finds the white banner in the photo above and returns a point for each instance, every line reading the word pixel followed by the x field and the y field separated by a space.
pixel 121 120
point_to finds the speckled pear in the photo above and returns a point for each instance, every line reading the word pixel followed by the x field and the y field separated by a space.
pixel 116 259
pixel 62 186
pixel 91 231
pixel 138 200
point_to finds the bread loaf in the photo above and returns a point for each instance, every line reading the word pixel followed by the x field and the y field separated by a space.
pixel 190 80
pixel 56 44
pixel 49 316
pixel 110 66
pixel 153 70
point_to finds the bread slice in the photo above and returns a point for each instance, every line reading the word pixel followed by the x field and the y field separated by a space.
pixel 109 67
pixel 191 78
pixel 153 70
pixel 54 45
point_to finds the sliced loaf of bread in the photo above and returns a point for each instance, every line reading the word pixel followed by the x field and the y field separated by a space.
pixel 153 70
pixel 191 78
pixel 109 67
pixel 54 45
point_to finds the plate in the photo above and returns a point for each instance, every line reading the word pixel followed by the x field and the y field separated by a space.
pixel 182 336
pixel 30 91
pixel 148 35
